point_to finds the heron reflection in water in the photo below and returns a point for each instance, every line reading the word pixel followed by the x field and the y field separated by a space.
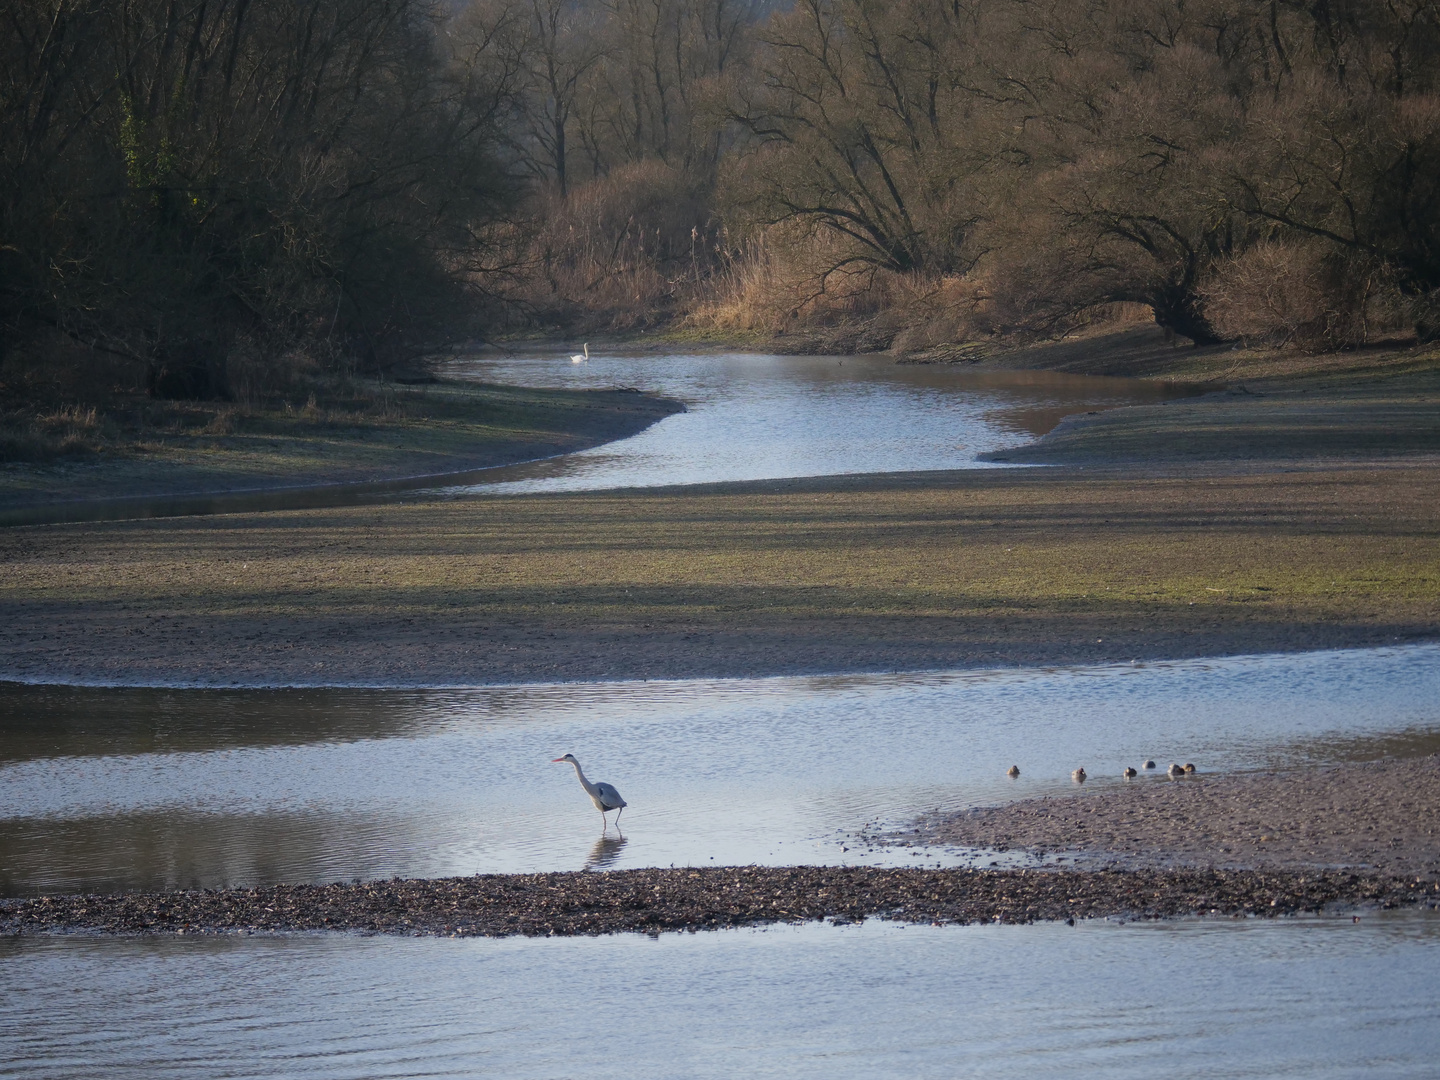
pixel 605 851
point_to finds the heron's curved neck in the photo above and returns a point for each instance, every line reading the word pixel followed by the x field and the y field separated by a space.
pixel 586 784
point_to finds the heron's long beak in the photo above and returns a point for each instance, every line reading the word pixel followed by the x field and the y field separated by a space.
pixel 556 761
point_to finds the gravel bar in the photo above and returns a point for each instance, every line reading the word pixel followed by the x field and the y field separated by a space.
pixel 656 900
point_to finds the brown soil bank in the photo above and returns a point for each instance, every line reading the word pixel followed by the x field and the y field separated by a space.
pixel 1275 425
pixel 1380 817
pixel 1276 408
pixel 651 901
pixel 904 572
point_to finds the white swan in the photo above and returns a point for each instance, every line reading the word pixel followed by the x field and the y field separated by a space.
pixel 580 358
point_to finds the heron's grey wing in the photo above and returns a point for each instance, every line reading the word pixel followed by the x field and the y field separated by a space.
pixel 610 797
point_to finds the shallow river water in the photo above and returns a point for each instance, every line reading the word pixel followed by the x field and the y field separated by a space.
pixel 121 788
pixel 125 788
pixel 1314 998
pixel 752 416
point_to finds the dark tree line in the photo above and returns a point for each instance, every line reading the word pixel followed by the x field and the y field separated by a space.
pixel 185 178
pixel 187 181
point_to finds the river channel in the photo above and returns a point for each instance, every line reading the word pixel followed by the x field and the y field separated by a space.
pixel 125 788
pixel 748 416
pixel 106 788
pixel 122 788
pixel 758 417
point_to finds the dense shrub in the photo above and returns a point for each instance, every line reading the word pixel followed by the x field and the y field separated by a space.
pixel 1303 293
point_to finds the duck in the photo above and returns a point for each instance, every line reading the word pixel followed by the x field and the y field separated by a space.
pixel 1175 770
pixel 1013 771
pixel 1078 775
pixel 1129 772
pixel 1149 765
pixel 1189 768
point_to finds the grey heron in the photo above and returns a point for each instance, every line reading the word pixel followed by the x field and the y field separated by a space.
pixel 603 795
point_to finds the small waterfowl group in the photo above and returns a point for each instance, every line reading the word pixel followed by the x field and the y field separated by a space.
pixel 1079 775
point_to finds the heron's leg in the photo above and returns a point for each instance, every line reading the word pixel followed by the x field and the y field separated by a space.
pixel 617 817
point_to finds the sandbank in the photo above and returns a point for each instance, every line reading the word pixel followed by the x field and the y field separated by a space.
pixel 1377 817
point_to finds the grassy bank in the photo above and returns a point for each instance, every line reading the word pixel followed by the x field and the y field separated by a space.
pixel 361 431
pixel 846 573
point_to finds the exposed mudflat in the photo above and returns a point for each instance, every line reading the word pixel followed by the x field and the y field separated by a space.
pixel 889 573
pixel 651 901
pixel 1376 817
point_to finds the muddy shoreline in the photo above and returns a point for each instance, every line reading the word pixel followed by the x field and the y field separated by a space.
pixel 1375 817
pixel 659 900
pixel 981 569
pixel 468 428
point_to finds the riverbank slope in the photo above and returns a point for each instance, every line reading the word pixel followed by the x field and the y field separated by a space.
pixel 376 432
